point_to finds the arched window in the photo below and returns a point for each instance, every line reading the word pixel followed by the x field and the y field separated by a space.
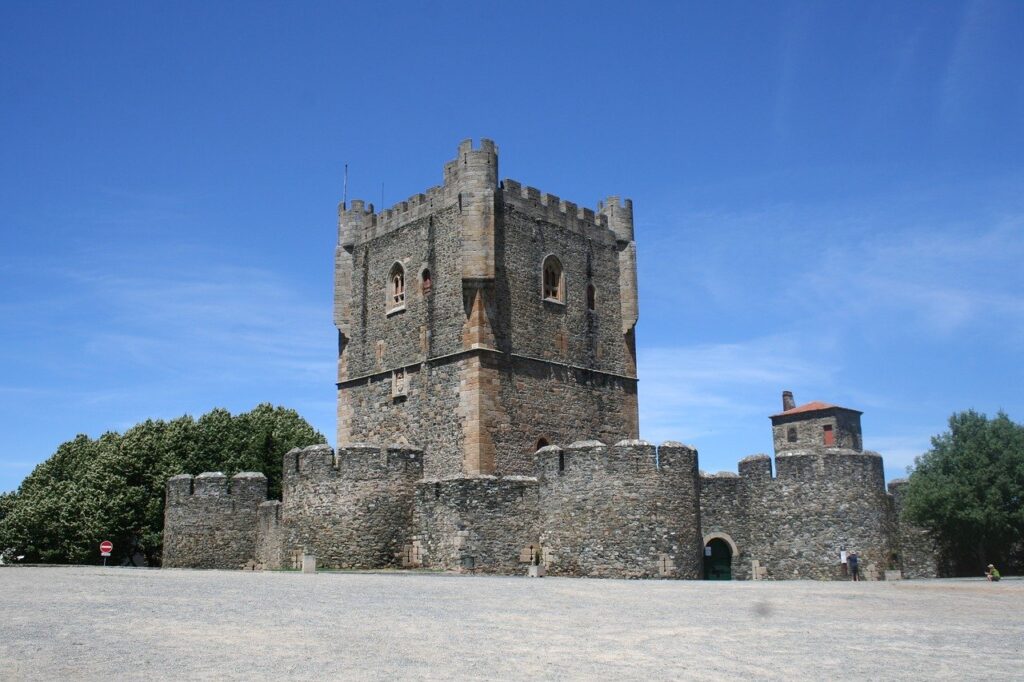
pixel 426 283
pixel 591 297
pixel 396 287
pixel 554 280
pixel 541 443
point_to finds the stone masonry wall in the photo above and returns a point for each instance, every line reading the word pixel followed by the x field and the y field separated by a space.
pixel 429 243
pixel 723 511
pixel 630 510
pixel 819 503
pixel 918 553
pixel 484 244
pixel 474 524
pixel 424 417
pixel 270 536
pixel 845 429
pixel 211 523
pixel 795 524
pixel 558 403
pixel 566 332
pixel 353 510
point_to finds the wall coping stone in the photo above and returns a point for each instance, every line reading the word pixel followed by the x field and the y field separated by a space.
pixel 587 444
pixel 754 458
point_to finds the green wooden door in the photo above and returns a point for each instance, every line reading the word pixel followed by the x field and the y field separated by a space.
pixel 717 562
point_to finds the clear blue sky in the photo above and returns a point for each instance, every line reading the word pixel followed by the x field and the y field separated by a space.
pixel 829 198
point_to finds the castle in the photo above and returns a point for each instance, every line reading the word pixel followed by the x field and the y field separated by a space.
pixel 488 420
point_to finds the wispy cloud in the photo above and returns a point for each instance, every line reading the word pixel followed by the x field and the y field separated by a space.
pixel 938 280
pixel 221 316
pixel 957 77
pixel 899 450
pixel 690 391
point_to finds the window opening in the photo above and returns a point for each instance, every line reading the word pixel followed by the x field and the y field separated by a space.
pixel 554 284
pixel 426 283
pixel 591 297
pixel 541 443
pixel 829 436
pixel 561 461
pixel 396 295
pixel 791 434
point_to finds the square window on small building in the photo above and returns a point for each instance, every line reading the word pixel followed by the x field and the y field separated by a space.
pixel 791 434
pixel 828 437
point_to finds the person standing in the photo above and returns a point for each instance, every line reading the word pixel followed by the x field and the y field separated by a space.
pixel 854 563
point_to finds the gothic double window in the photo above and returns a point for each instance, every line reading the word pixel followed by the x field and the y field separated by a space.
pixel 554 280
pixel 396 287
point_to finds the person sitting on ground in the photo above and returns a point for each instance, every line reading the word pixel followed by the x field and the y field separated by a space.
pixel 992 574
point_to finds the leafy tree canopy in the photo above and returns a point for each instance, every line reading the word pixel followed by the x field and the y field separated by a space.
pixel 968 490
pixel 112 488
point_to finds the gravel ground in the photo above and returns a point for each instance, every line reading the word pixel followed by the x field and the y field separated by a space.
pixel 93 623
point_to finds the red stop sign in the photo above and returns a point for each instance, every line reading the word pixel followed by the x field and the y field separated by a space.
pixel 106 547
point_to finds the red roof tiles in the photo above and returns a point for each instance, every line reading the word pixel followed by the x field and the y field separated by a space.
pixel 811 407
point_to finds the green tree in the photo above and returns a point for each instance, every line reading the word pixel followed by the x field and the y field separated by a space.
pixel 112 488
pixel 968 490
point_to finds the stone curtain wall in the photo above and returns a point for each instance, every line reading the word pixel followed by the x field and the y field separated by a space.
pixel 796 523
pixel 625 511
pixel 475 524
pixel 918 552
pixel 353 510
pixel 723 510
pixel 818 504
pixel 211 523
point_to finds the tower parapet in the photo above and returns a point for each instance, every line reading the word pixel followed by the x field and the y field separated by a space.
pixel 210 521
pixel 353 508
pixel 629 510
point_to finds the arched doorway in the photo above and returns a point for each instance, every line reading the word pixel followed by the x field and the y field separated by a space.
pixel 718 553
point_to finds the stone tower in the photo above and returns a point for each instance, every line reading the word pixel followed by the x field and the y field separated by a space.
pixel 482 320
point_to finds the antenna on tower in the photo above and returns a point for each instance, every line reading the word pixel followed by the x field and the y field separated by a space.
pixel 344 191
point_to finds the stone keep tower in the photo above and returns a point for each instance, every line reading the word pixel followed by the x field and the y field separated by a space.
pixel 482 320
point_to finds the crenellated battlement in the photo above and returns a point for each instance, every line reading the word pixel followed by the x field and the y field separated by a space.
pixel 474 171
pixel 355 461
pixel 618 216
pixel 588 487
pixel 550 208
pixel 832 464
pixel 633 457
pixel 247 484
pixel 210 520
pixel 757 466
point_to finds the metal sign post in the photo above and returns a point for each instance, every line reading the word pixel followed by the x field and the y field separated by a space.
pixel 106 547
